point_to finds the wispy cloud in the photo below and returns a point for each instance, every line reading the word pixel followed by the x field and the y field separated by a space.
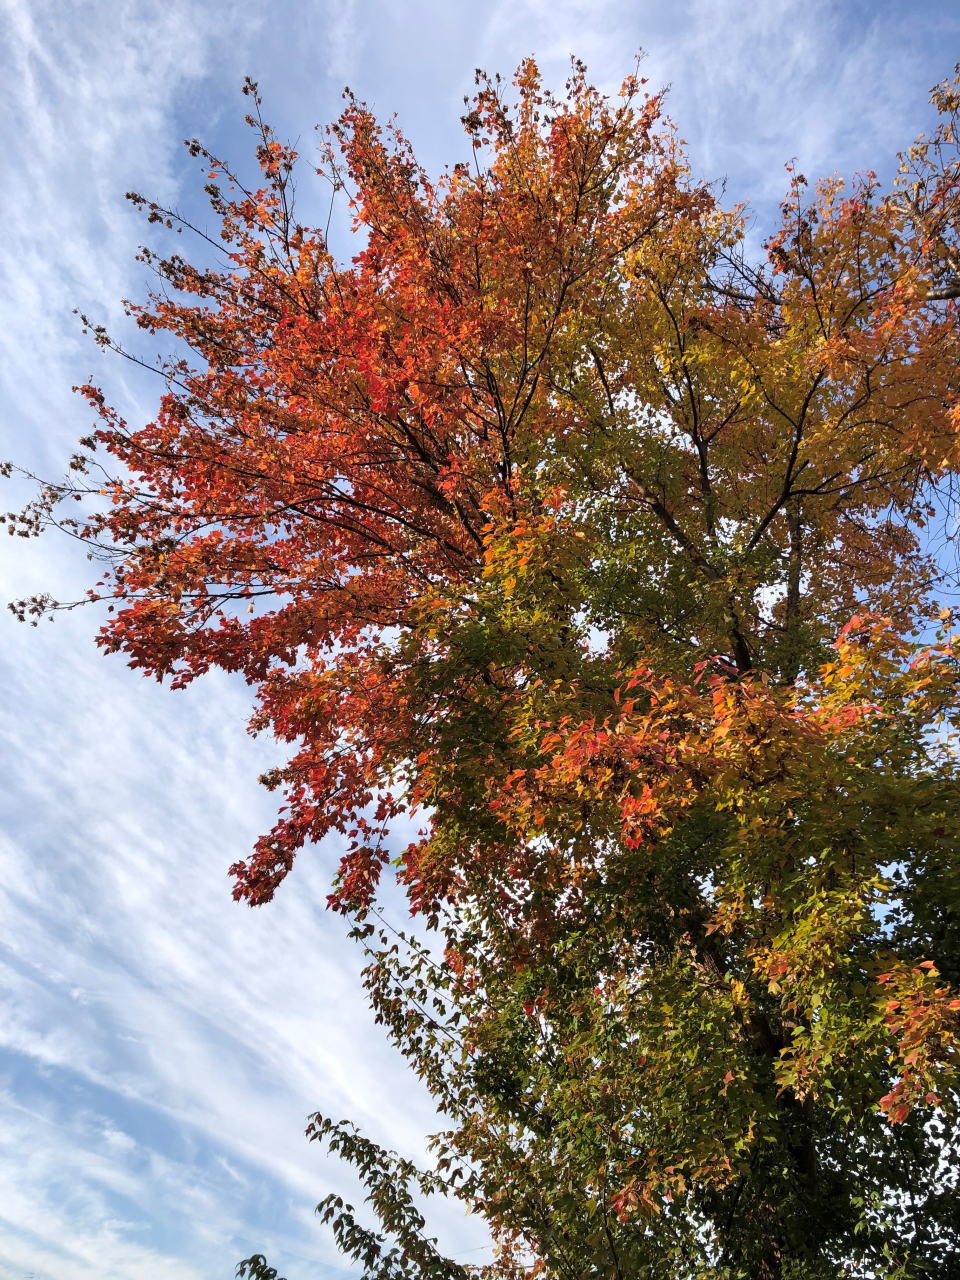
pixel 139 994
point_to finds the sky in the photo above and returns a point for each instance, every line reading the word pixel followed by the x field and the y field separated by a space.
pixel 161 1046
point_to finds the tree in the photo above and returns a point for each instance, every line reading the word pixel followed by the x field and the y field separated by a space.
pixel 564 524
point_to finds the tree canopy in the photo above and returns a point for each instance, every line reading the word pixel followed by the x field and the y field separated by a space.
pixel 605 547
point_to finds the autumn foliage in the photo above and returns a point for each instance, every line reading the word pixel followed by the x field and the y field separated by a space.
pixel 604 551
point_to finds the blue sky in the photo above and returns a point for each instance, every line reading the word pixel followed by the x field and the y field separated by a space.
pixel 160 1046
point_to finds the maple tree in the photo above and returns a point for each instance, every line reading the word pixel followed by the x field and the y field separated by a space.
pixel 559 522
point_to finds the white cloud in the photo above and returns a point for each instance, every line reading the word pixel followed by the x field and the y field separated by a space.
pixel 131 976
pixel 160 1046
